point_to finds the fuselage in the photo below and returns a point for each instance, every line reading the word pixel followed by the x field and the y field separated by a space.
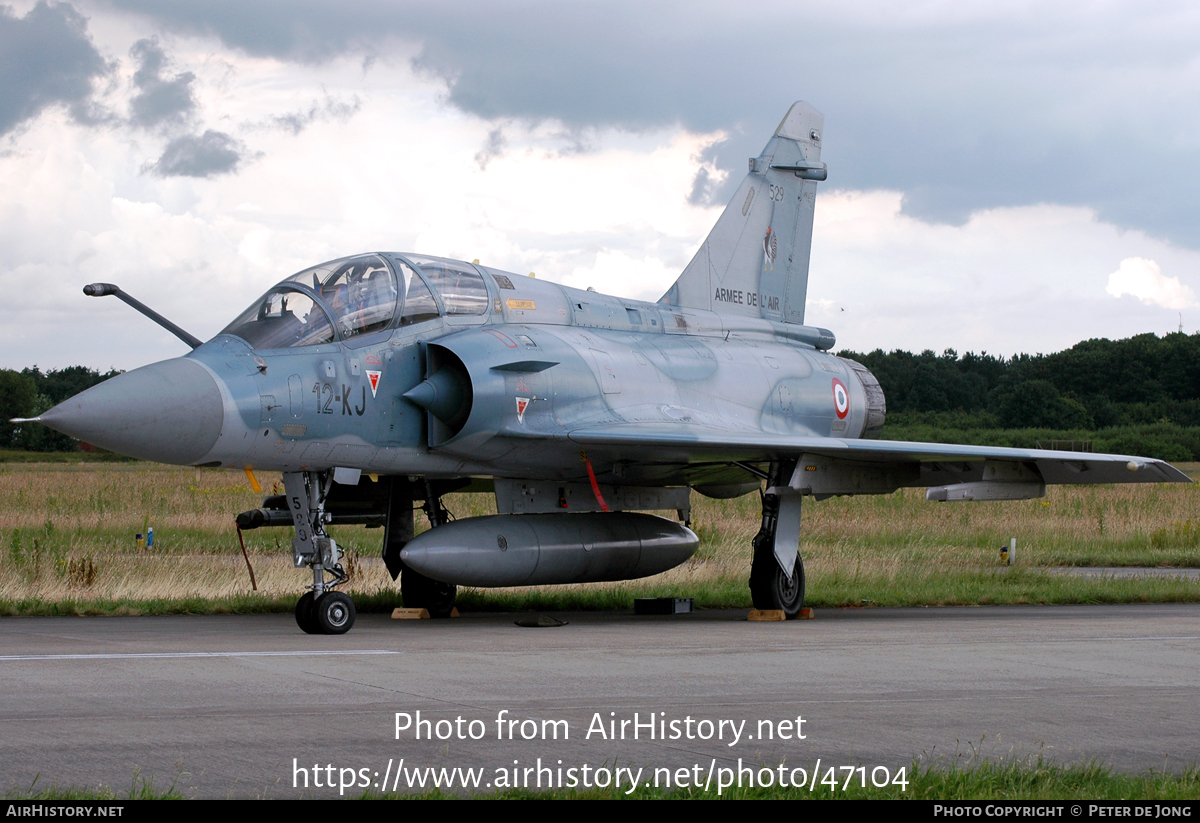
pixel 498 373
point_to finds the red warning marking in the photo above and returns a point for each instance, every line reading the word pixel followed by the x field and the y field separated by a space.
pixel 502 337
pixel 373 377
pixel 522 405
pixel 595 486
pixel 841 399
pixel 372 360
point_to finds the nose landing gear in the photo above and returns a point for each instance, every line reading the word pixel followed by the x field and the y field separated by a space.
pixel 321 610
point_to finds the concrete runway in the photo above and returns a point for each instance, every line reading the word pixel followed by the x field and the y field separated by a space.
pixel 221 705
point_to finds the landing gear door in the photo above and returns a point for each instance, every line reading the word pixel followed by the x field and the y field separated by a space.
pixel 299 506
pixel 787 531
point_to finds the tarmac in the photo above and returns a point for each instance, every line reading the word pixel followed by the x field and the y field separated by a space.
pixel 248 706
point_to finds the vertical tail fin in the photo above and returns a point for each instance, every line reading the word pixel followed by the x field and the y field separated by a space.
pixel 755 260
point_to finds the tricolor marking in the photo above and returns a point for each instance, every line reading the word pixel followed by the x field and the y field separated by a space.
pixel 841 399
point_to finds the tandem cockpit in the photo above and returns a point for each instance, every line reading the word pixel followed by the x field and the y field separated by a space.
pixel 356 299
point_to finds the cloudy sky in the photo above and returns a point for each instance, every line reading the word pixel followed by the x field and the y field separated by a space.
pixel 1003 176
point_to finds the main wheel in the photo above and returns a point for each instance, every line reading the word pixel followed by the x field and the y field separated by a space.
pixel 771 589
pixel 421 592
pixel 335 613
pixel 306 614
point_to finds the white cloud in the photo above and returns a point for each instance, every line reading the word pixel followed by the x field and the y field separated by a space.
pixel 1023 279
pixel 616 272
pixel 1144 280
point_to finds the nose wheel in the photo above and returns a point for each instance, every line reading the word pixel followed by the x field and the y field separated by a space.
pixel 306 614
pixel 331 613
pixel 335 613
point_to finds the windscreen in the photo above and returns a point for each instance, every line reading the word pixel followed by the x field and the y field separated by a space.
pixel 283 318
pixel 354 295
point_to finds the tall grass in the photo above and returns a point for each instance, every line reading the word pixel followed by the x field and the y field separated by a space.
pixel 67 546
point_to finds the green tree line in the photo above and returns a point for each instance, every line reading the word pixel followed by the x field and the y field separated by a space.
pixel 1138 396
pixel 1093 385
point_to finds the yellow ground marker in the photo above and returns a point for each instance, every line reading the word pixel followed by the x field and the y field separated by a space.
pixel 775 615
pixel 416 614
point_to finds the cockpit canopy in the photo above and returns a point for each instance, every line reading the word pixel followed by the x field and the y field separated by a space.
pixel 360 295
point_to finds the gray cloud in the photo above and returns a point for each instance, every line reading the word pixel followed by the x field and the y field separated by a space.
pixel 331 108
pixel 203 155
pixel 959 106
pixel 706 190
pixel 46 58
pixel 308 31
pixel 160 100
pixel 493 148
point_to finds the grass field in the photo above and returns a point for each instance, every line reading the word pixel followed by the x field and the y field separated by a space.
pixel 67 539
pixel 1011 780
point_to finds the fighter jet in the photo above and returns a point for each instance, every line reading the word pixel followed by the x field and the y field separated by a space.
pixel 383 381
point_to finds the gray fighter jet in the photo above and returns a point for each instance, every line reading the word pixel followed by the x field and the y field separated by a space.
pixel 378 382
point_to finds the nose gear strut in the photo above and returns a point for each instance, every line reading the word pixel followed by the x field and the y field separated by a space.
pixel 321 610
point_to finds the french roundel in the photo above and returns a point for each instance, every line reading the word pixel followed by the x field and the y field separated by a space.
pixel 841 399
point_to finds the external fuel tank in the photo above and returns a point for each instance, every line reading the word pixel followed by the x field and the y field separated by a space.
pixel 540 549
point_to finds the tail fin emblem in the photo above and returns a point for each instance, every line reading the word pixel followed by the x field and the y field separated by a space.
pixel 770 248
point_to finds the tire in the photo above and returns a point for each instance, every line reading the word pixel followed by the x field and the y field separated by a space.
pixel 771 589
pixel 306 614
pixel 335 613
pixel 421 592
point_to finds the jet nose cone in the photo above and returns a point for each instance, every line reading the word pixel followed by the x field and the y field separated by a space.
pixel 169 412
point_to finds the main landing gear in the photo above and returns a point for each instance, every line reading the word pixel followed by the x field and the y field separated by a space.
pixel 777 570
pixel 417 590
pixel 321 610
